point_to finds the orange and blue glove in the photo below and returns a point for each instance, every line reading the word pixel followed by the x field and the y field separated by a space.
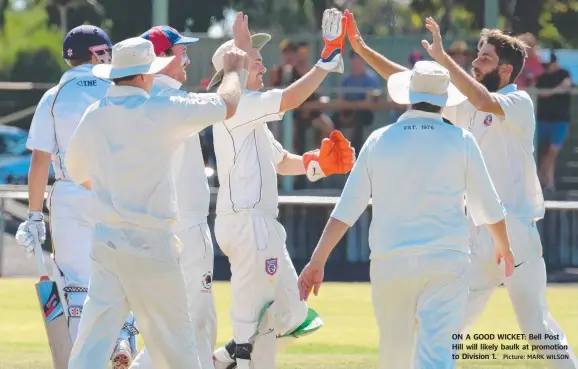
pixel 334 26
pixel 336 156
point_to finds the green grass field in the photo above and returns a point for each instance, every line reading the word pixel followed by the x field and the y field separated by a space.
pixel 347 341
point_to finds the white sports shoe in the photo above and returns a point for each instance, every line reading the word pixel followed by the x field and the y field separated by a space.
pixel 222 360
pixel 122 355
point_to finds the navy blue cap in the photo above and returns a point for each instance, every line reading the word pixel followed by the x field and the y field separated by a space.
pixel 83 41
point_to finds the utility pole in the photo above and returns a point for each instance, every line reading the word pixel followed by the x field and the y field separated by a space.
pixel 160 12
pixel 491 13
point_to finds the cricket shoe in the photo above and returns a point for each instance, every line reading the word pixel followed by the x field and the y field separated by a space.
pixel 122 355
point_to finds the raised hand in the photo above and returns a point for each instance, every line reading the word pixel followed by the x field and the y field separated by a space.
pixel 436 48
pixel 235 59
pixel 241 33
pixel 353 33
pixel 333 26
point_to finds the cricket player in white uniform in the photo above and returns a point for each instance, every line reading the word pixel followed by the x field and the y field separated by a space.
pixel 502 120
pixel 56 117
pixel 265 300
pixel 122 150
pixel 193 198
pixel 417 172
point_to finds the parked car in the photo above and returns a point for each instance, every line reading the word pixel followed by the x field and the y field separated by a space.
pixel 15 158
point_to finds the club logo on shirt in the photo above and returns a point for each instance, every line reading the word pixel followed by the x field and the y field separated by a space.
pixel 207 281
pixel 488 120
pixel 271 266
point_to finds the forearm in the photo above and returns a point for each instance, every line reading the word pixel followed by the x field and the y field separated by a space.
pixel 231 89
pixel 38 180
pixel 380 63
pixel 300 90
pixel 292 165
pixel 499 234
pixel 332 234
pixel 477 94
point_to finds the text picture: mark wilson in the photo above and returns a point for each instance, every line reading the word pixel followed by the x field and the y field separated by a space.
pixel 508 346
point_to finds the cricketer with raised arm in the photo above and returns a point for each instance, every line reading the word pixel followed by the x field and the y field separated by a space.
pixel 417 172
pixel 57 115
pixel 502 120
pixel 193 196
pixel 266 310
pixel 135 252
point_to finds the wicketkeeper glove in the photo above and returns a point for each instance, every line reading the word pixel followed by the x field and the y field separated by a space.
pixel 334 30
pixel 32 230
pixel 336 156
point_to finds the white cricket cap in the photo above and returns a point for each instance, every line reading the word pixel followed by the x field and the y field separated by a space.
pixel 258 40
pixel 427 82
pixel 131 57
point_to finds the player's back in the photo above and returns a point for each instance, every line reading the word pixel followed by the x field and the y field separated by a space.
pixel 76 91
pixel 131 173
pixel 418 182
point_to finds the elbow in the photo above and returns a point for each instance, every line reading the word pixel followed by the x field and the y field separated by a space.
pixel 232 103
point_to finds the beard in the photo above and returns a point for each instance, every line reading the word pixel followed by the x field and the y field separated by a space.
pixel 491 80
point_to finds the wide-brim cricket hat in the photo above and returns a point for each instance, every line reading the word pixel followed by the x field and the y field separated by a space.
pixel 427 82
pixel 258 40
pixel 165 37
pixel 131 57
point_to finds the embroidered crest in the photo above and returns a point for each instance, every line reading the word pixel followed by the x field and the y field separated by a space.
pixel 207 280
pixel 488 120
pixel 271 266
pixel 69 52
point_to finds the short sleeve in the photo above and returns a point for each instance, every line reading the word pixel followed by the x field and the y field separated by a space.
pixel 482 200
pixel 357 191
pixel 518 109
pixel 255 108
pixel 41 135
pixel 278 151
pixel 78 153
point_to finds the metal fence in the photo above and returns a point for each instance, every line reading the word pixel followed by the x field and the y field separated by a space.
pixel 304 218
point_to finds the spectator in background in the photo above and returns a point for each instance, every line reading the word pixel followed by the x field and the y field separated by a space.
pixel 533 66
pixel 553 118
pixel 296 57
pixel 361 84
pixel 460 53
pixel 414 57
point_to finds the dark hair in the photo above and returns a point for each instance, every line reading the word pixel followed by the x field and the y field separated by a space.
pixel 510 50
pixel 169 51
pixel 427 107
pixel 79 61
pixel 124 79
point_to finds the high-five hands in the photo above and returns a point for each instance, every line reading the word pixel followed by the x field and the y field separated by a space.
pixel 241 33
pixel 333 26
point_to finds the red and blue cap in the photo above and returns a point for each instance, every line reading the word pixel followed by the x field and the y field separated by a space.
pixel 165 37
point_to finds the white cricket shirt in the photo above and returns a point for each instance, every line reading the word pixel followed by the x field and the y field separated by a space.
pixel 247 155
pixel 507 143
pixel 124 145
pixel 59 112
pixel 193 194
pixel 417 172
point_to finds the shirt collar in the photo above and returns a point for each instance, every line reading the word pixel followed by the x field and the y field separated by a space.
pixel 167 82
pixel 116 91
pixel 508 88
pixel 82 70
pixel 412 114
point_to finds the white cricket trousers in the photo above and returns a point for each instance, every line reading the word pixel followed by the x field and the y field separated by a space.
pixel 526 286
pixel 197 257
pixel 261 272
pixel 71 236
pixel 419 298
pixel 136 269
